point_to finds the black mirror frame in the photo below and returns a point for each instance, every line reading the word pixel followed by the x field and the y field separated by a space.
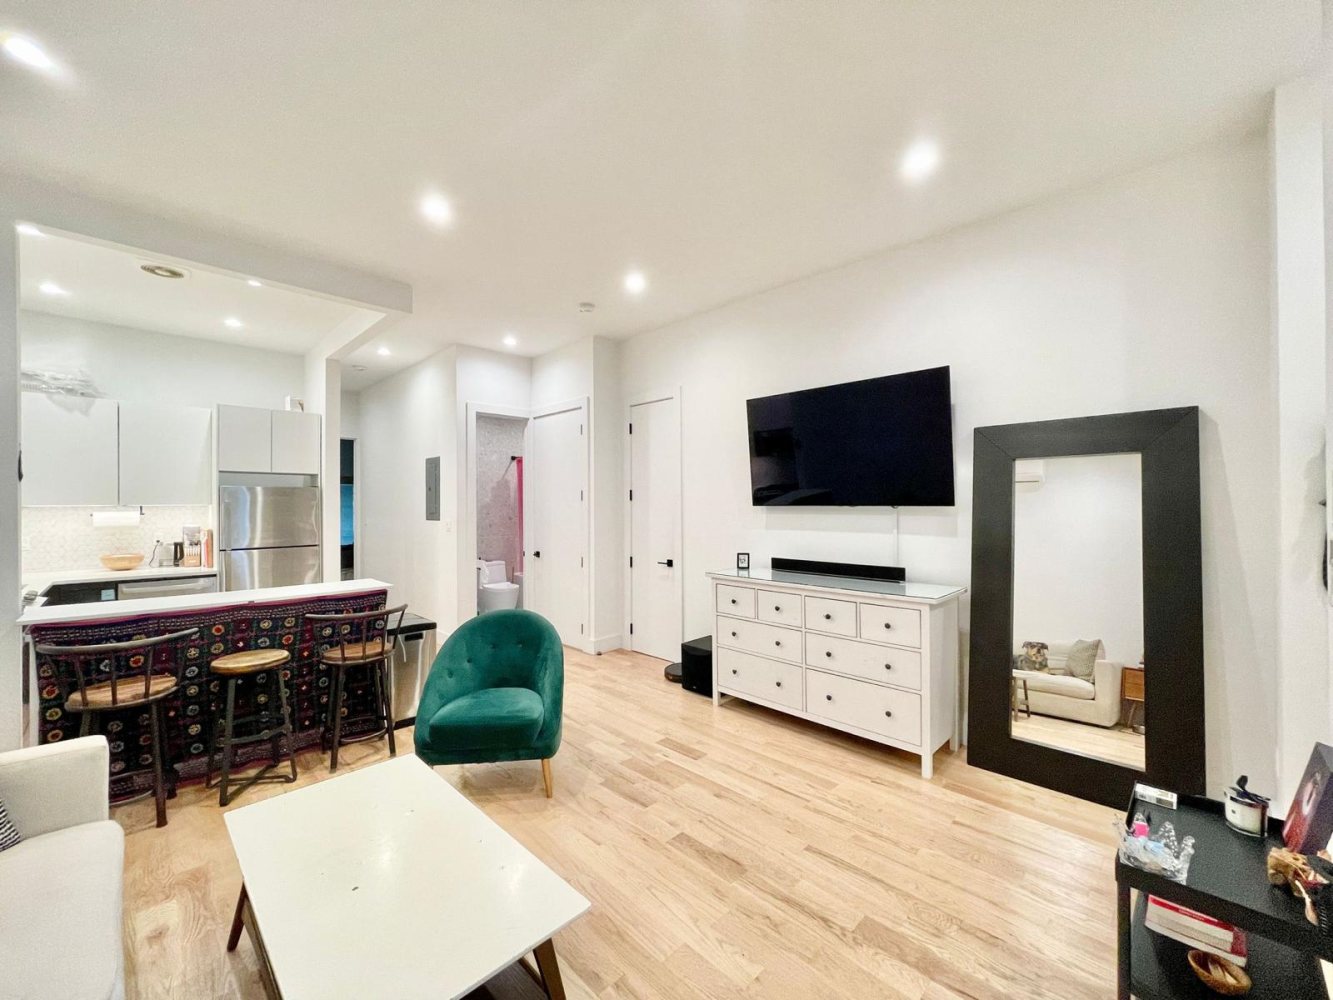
pixel 1175 754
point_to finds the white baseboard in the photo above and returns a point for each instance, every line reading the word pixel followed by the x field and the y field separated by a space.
pixel 606 643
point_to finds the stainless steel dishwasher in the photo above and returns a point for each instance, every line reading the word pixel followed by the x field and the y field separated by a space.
pixel 170 586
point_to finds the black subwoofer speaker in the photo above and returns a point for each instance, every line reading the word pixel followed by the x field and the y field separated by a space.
pixel 696 665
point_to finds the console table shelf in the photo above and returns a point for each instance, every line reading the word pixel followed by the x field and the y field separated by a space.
pixel 1228 881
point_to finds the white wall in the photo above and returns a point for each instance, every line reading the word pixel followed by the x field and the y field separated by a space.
pixel 350 415
pixel 1078 554
pixel 11 676
pixel 406 419
pixel 1147 291
pixel 130 364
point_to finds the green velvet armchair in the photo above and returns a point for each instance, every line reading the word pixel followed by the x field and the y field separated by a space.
pixel 495 692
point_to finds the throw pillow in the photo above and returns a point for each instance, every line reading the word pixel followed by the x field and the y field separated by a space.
pixel 9 834
pixel 1082 658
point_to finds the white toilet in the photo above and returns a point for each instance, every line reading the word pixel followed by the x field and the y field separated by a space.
pixel 494 591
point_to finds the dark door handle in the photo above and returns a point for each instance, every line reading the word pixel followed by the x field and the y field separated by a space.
pixel 537 554
pixel 668 564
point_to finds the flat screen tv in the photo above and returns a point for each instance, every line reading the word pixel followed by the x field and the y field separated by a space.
pixel 879 442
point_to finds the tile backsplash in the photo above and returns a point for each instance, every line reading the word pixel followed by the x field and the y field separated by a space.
pixel 63 538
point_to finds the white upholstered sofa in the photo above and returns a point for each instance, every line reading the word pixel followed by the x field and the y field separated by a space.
pixel 1096 702
pixel 60 886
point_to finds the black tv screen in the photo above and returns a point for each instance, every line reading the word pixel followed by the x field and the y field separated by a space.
pixel 879 442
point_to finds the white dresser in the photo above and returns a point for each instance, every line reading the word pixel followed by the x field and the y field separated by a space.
pixel 869 657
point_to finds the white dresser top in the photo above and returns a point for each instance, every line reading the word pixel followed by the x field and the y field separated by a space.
pixel 924 593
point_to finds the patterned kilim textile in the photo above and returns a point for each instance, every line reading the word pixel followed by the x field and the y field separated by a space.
pixel 190 710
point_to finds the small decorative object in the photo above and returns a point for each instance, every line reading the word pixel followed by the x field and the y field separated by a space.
pixel 1157 796
pixel 1246 811
pixel 1220 975
pixel 1160 853
pixel 1288 868
pixel 1310 878
pixel 1309 822
pixel 743 560
pixel 122 560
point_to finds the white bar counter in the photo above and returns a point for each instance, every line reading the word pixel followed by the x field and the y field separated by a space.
pixel 103 610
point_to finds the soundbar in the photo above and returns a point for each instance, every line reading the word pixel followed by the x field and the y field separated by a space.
pixel 896 574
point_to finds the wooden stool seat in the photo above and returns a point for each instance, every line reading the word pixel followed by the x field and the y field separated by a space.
pixel 109 695
pixel 356 652
pixel 251 661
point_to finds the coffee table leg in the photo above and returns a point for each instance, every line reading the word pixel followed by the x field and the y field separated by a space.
pixel 238 921
pixel 550 970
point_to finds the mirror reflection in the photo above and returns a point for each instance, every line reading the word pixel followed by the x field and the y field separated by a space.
pixel 1077 680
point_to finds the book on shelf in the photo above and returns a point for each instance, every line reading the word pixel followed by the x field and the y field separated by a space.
pixel 1195 929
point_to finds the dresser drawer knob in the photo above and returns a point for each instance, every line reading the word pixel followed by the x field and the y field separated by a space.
pixel 733 635
pixel 828 618
pixel 828 653
pixel 828 697
pixel 888 666
pixel 888 625
pixel 733 600
pixel 777 642
pixel 777 607
pixel 779 683
pixel 733 670
pixel 888 715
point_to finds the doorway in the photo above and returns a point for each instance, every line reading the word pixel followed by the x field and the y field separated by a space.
pixel 498 482
pixel 347 507
pixel 556 575
pixel 656 578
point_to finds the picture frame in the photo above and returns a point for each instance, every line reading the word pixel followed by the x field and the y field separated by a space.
pixel 743 561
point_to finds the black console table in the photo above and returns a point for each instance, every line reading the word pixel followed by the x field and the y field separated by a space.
pixel 1228 881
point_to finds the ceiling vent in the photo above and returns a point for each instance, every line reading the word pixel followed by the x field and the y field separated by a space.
pixel 162 271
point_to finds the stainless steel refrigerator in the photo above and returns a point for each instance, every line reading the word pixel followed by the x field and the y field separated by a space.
pixel 268 536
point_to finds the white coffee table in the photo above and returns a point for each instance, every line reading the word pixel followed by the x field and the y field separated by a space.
pixel 387 882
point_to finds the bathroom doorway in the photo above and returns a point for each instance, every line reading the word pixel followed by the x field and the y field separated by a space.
pixel 500 443
pixel 347 506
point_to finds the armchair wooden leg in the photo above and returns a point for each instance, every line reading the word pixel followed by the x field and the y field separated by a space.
pixel 546 777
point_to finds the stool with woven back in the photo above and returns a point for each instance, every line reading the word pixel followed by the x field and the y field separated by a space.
pixel 105 678
pixel 360 641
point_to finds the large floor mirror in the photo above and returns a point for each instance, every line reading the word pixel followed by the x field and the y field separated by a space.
pixel 1087 630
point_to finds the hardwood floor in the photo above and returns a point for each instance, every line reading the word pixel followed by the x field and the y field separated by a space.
pixel 727 853
pixel 1115 743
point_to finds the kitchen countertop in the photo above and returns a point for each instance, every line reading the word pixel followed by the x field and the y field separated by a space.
pixel 153 605
pixel 40 582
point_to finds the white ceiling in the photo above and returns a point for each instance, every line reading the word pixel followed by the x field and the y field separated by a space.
pixel 107 284
pixel 721 147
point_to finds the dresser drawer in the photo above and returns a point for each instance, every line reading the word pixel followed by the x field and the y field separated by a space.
pixel 876 663
pixel 779 608
pixel 896 625
pixel 735 600
pixel 886 711
pixel 756 637
pixel 825 615
pixel 770 680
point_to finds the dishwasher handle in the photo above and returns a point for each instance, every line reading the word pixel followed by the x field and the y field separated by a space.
pixel 167 588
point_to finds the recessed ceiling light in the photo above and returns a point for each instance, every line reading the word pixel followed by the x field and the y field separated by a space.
pixel 587 307
pixel 162 271
pixel 51 288
pixel 28 229
pixel 253 283
pixel 635 282
pixel 920 161
pixel 383 352
pixel 436 208
pixel 510 340
pixel 233 322
pixel 28 52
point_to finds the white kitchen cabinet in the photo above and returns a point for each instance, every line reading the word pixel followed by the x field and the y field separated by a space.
pixel 295 442
pixel 69 451
pixel 166 454
pixel 245 439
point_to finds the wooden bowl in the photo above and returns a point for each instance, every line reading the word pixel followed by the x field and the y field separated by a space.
pixel 1219 974
pixel 125 560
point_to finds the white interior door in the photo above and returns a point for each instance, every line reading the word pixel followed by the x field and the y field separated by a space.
pixel 656 573
pixel 555 574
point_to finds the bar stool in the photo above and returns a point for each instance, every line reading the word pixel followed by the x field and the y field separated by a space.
pixel 232 668
pixel 130 682
pixel 363 639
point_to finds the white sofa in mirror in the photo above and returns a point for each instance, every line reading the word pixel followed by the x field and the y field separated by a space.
pixel 1078 606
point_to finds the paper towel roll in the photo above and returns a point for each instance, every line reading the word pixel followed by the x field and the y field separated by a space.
pixel 115 519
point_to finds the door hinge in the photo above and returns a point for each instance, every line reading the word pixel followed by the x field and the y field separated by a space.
pixel 631 628
pixel 631 496
pixel 580 496
pixel 580 430
pixel 631 562
pixel 631 428
pixel 580 562
pixel 580 628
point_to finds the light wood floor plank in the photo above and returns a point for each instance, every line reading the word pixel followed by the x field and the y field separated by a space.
pixel 728 853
